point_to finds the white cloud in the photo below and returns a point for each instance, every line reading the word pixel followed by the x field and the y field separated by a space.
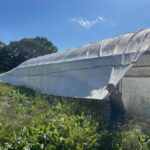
pixel 85 23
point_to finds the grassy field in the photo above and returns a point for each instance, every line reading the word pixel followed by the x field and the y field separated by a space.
pixel 30 120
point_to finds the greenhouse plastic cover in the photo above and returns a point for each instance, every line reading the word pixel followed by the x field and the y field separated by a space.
pixel 82 72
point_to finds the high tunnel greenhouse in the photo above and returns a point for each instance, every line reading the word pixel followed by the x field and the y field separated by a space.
pixel 84 72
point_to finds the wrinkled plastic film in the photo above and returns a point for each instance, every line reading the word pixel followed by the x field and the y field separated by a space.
pixel 82 72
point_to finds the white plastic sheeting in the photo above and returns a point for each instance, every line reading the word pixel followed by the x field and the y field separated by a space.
pixel 84 71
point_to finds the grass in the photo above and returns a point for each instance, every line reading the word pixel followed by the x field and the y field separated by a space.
pixel 30 120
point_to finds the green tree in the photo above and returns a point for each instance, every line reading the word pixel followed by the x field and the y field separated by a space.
pixel 18 51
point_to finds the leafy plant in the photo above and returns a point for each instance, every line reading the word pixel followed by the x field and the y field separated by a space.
pixel 33 121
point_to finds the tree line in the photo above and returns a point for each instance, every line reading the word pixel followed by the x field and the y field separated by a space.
pixel 16 52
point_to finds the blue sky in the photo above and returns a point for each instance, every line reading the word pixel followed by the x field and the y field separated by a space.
pixel 71 23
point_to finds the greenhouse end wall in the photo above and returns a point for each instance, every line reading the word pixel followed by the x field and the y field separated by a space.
pixel 136 95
